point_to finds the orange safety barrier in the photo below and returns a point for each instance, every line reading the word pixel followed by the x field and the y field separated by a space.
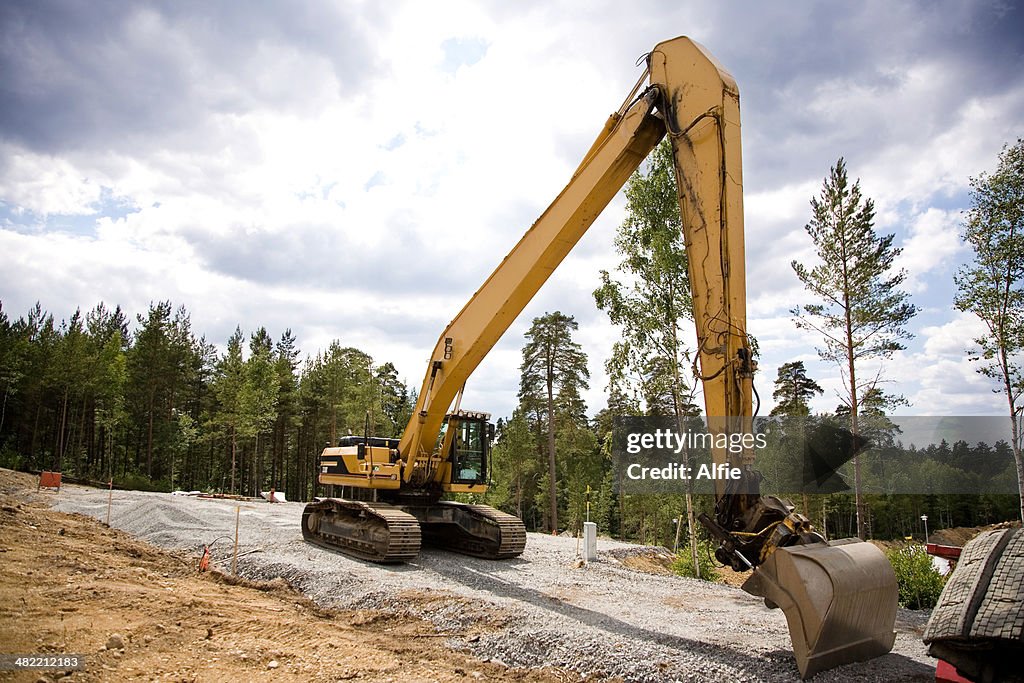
pixel 49 480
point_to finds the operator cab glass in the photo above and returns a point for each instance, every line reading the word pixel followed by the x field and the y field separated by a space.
pixel 469 452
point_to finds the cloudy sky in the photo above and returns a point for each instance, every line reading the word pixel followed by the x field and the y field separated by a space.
pixel 355 170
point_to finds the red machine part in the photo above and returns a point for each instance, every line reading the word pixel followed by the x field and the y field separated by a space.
pixel 950 552
pixel 944 671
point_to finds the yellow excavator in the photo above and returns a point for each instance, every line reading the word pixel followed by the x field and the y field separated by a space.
pixel 839 597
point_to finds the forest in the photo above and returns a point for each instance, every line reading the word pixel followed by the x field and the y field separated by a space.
pixel 145 402
pixel 148 404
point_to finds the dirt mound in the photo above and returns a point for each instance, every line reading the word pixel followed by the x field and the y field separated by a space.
pixel 16 483
pixel 644 558
pixel 69 585
pixel 959 536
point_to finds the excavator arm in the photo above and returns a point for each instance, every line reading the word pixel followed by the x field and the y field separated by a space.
pixel 620 149
pixel 839 598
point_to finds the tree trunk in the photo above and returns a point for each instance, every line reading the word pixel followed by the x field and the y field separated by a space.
pixel 854 426
pixel 232 460
pixel 3 410
pixel 552 483
pixel 149 438
pixel 1015 435
pixel 60 431
pixel 35 432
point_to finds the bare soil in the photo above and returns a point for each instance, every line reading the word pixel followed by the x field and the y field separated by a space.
pixel 68 584
pixel 959 536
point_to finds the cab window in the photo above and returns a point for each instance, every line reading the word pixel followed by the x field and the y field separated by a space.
pixel 468 462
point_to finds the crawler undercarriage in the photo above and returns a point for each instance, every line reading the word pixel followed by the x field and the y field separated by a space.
pixel 386 533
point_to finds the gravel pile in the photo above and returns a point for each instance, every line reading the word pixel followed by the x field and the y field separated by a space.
pixel 540 610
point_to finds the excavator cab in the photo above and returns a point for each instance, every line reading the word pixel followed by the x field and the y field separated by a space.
pixel 469 452
pixel 465 439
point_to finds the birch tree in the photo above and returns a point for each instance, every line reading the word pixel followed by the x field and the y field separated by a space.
pixel 990 286
pixel 650 299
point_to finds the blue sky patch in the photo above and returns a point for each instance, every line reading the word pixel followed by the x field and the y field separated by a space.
pixel 462 52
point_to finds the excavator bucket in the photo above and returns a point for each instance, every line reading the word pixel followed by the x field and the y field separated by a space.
pixel 839 599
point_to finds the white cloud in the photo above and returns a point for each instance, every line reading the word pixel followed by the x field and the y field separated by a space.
pixel 44 184
pixel 326 169
pixel 934 242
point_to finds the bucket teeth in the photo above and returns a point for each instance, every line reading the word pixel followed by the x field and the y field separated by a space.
pixel 839 599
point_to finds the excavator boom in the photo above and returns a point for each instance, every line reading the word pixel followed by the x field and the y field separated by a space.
pixel 616 154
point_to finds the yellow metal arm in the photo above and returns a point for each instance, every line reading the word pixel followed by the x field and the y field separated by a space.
pixel 701 106
pixel 493 308
pixel 698 104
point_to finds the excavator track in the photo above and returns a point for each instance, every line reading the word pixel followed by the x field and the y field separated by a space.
pixel 377 532
pixel 477 530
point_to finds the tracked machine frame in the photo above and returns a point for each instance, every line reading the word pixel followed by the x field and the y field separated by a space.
pixel 839 597
pixel 385 519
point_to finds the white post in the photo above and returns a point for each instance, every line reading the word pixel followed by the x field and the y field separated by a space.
pixel 589 541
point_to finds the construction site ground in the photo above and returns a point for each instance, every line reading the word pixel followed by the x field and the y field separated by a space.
pixel 130 599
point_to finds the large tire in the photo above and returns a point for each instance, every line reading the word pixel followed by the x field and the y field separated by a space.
pixel 978 624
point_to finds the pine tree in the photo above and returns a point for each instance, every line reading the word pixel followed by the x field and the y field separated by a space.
pixel 285 364
pixel 258 399
pixel 552 363
pixel 228 387
pixel 860 310
pixel 793 390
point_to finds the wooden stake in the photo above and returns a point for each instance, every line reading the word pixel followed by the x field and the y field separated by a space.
pixel 110 500
pixel 234 559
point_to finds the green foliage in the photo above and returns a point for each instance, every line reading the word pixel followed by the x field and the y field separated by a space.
pixel 859 309
pixel 515 468
pixel 154 405
pixel 991 286
pixel 10 459
pixel 920 583
pixel 651 296
pixel 134 481
pixel 683 564
pixel 583 467
pixel 793 389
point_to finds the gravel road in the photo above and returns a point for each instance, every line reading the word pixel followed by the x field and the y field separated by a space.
pixel 601 619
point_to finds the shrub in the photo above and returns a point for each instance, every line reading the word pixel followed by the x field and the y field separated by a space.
pixel 920 583
pixel 683 564
pixel 140 482
pixel 10 459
